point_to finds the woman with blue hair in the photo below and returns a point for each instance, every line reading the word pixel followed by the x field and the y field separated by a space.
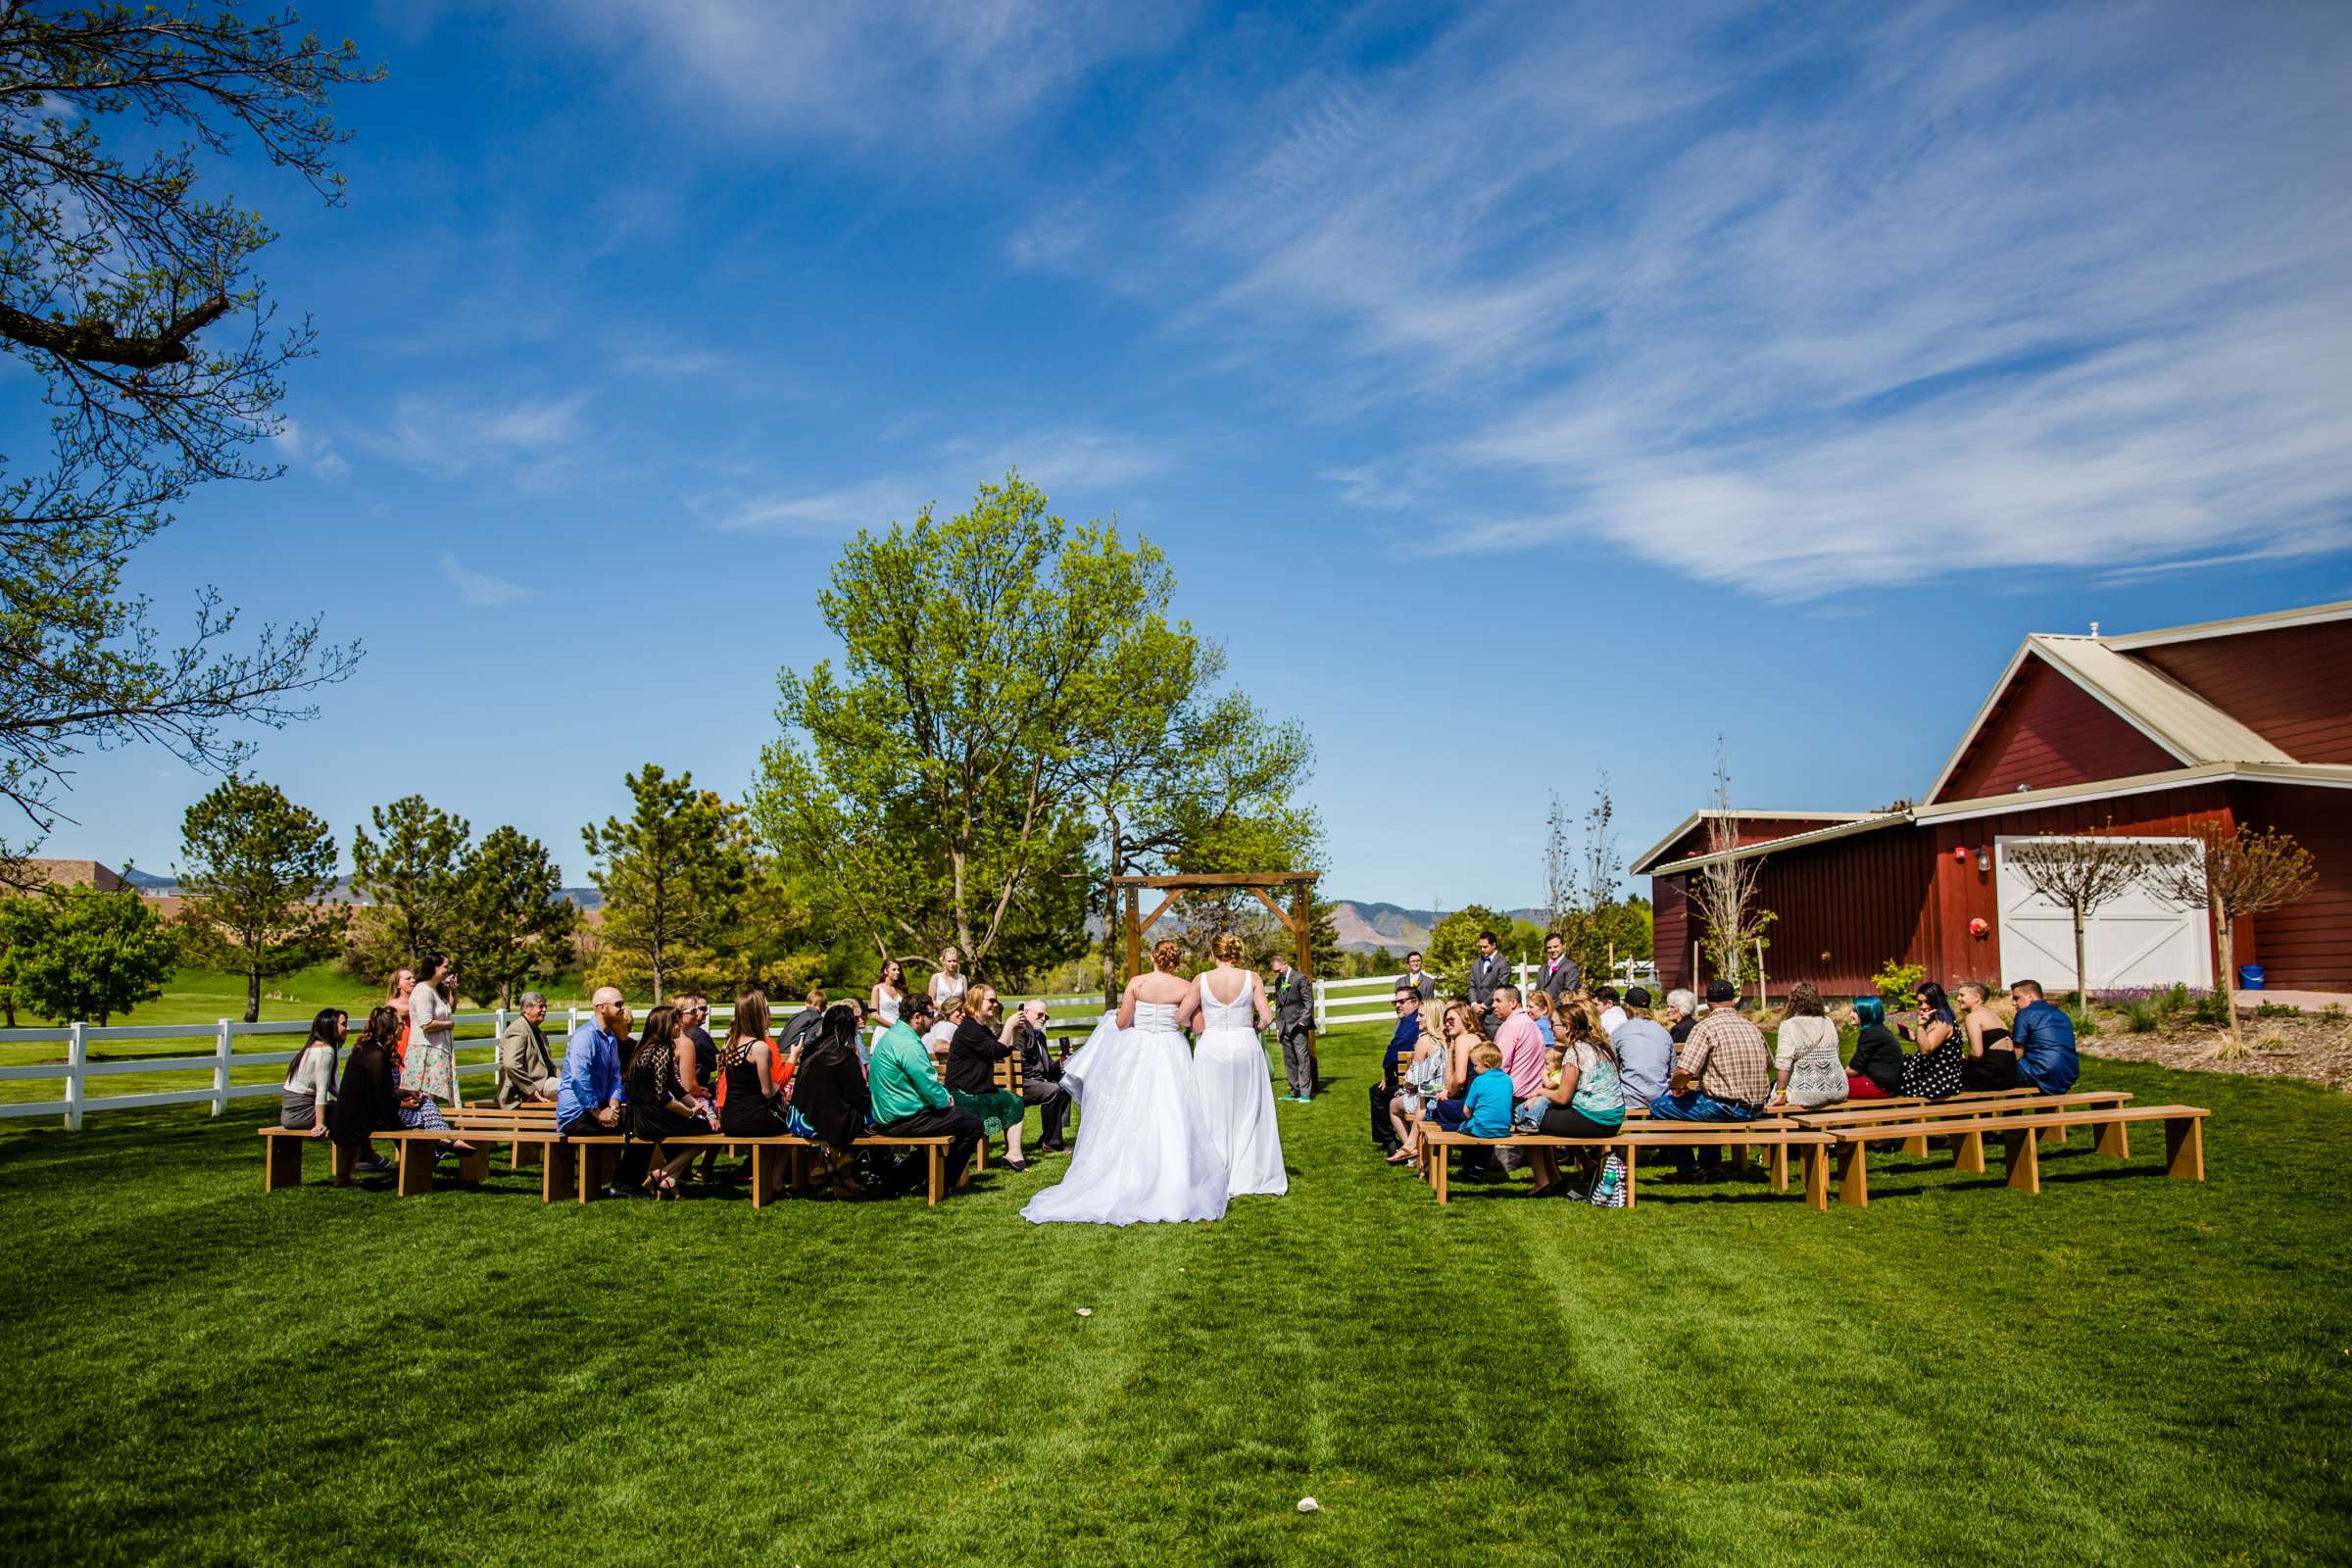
pixel 1877 1070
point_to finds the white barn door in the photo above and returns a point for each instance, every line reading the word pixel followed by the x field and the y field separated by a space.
pixel 2139 939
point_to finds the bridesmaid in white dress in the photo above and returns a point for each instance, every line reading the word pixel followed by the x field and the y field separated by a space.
pixel 888 990
pixel 1144 1151
pixel 1236 1088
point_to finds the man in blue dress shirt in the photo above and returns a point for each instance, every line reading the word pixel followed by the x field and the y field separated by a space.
pixel 590 1099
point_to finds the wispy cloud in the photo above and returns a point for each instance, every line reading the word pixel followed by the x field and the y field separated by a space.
pixel 300 447
pixel 897 71
pixel 1086 462
pixel 2068 291
pixel 536 441
pixel 479 590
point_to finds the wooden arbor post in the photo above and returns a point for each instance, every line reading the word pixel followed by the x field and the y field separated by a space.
pixel 1298 919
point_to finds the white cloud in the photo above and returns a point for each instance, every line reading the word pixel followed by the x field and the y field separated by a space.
pixel 874 504
pixel 298 447
pixel 478 590
pixel 2069 291
pixel 537 439
pixel 902 71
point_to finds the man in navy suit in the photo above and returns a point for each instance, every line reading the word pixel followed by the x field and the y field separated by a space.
pixel 1486 972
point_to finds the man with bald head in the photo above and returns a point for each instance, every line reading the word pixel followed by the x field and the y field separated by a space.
pixel 588 1104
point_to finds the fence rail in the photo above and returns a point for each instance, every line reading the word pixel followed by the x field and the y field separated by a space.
pixel 1338 1004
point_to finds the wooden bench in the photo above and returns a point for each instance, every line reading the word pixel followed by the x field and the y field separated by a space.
pixel 2019 1130
pixel 414 1147
pixel 1857 1113
pixel 1773 1134
pixel 567 1171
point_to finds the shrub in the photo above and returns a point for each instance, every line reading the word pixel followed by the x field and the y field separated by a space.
pixel 1899 984
pixel 2144 1016
pixel 2334 1012
pixel 2277 1010
pixel 2211 1009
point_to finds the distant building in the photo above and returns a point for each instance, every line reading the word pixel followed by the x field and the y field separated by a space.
pixel 2149 734
pixel 72 874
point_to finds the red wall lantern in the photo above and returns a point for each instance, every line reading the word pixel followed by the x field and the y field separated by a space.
pixel 1959 855
pixel 1980 928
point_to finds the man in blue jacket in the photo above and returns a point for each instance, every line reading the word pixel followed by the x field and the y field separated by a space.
pixel 2044 1038
pixel 1401 1045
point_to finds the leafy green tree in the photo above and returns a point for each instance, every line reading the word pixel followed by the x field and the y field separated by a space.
pixel 1453 944
pixel 672 876
pixel 509 922
pixel 254 868
pixel 79 954
pixel 412 879
pixel 766 937
pixel 134 303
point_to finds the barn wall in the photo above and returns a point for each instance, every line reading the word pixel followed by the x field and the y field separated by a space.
pixel 2049 731
pixel 2307 945
pixel 2292 686
pixel 1670 923
pixel 1844 907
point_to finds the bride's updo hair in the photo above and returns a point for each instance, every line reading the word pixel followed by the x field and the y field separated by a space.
pixel 1227 949
pixel 1164 954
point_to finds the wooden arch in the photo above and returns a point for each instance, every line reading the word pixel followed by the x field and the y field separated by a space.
pixel 1128 892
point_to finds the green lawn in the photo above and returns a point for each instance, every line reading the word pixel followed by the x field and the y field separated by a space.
pixel 2124 1368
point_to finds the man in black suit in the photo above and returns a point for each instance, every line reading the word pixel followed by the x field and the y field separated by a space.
pixel 1558 974
pixel 1418 980
pixel 1294 1002
pixel 1486 972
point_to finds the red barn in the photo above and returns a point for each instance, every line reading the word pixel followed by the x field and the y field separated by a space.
pixel 2246 721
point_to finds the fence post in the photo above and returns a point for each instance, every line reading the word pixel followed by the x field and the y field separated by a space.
pixel 1320 1008
pixel 573 1027
pixel 77 1056
pixel 221 1041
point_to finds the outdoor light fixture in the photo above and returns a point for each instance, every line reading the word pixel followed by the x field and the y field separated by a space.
pixel 1959 855
pixel 1980 928
pixel 1983 862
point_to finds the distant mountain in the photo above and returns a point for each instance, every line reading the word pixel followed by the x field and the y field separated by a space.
pixel 1366 927
pixel 163 887
pixel 147 883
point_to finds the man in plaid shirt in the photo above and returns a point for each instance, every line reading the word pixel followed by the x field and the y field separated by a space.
pixel 1723 1073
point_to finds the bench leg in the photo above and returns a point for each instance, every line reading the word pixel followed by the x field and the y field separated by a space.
pixel 598 1170
pixel 416 1167
pixel 1968 1153
pixel 759 1161
pixel 281 1163
pixel 1917 1144
pixel 524 1155
pixel 2115 1140
pixel 1816 1177
pixel 2054 1135
pixel 938 1172
pixel 559 1172
pixel 1853 1175
pixel 1633 1151
pixel 1739 1156
pixel 1440 1156
pixel 2025 1161
pixel 476 1166
pixel 346 1158
pixel 1779 1167
pixel 2185 1148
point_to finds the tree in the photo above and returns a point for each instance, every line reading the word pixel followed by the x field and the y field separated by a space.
pixel 1723 890
pixel 254 868
pixel 670 878
pixel 77 954
pixel 412 880
pixel 2236 871
pixel 767 937
pixel 1453 944
pixel 2085 875
pixel 114 281
pixel 1002 676
pixel 1581 884
pixel 509 922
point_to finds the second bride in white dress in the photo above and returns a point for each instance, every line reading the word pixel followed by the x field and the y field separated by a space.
pixel 1144 1151
pixel 1236 1087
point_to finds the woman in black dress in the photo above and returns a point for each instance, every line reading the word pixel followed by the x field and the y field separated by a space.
pixel 752 1101
pixel 1991 1061
pixel 1935 1073
pixel 367 1100
pixel 659 1109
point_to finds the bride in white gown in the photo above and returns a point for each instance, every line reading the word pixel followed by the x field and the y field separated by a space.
pixel 1144 1151
pixel 1237 1088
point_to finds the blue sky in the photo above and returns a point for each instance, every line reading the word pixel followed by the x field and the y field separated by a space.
pixel 1521 391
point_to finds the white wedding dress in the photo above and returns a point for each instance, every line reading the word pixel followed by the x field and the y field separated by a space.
pixel 1237 1092
pixel 1144 1151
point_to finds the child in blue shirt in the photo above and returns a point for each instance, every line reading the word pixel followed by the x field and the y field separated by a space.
pixel 1485 1108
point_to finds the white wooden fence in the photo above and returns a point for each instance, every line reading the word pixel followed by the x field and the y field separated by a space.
pixel 1338 1004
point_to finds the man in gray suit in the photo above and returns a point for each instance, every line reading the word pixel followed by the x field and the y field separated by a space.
pixel 1294 1002
pixel 1558 974
pixel 1418 980
pixel 1486 972
pixel 526 1071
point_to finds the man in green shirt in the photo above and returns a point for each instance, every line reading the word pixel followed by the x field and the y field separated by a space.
pixel 907 1100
